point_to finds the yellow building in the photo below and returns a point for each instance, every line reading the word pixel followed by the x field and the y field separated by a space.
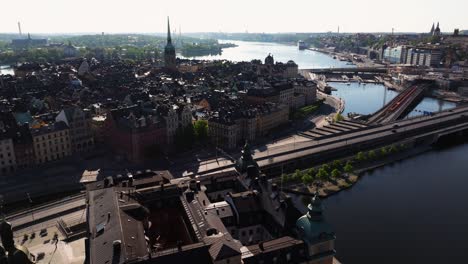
pixel 51 142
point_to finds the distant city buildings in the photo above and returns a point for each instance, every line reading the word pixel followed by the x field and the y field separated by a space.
pixel 24 43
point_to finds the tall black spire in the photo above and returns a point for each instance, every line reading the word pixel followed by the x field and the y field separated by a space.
pixel 169 40
pixel 169 50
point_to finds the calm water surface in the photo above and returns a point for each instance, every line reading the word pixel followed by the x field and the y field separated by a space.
pixel 415 211
pixel 247 51
pixel 367 99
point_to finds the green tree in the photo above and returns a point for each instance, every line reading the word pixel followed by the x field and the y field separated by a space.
pixel 312 172
pixel 372 155
pixel 307 179
pixel 335 174
pixel 201 129
pixel 361 156
pixel 322 174
pixel 393 149
pixel 297 176
pixel 348 168
pixel 337 164
pixel 383 151
pixel 326 167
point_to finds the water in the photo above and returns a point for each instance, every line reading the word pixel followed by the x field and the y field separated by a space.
pixel 247 51
pixel 415 211
pixel 367 99
pixel 363 99
pixel 6 69
pixel 431 105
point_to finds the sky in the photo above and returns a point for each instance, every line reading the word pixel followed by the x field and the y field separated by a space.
pixel 269 16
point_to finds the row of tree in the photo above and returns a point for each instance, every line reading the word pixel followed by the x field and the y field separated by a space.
pixel 335 169
pixel 326 172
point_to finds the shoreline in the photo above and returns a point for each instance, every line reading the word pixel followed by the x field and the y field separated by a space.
pixel 329 189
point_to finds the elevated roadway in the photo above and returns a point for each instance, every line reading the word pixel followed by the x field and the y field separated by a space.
pixel 399 106
pixel 420 129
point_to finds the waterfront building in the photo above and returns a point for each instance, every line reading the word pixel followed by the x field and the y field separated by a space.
pixel 396 55
pixel 306 88
pixel 424 56
pixel 51 142
pixel 169 51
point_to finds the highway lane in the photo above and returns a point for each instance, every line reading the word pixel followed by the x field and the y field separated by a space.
pixel 287 152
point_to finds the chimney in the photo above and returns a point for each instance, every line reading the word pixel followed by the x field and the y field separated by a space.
pixel 260 246
pixel 190 195
pixel 108 217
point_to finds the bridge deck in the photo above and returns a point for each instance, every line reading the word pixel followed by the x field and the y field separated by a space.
pixel 399 105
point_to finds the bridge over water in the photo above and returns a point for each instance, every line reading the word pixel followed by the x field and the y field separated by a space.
pixel 399 106
pixel 350 70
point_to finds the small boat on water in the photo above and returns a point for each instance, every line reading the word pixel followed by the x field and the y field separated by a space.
pixel 301 45
pixel 334 57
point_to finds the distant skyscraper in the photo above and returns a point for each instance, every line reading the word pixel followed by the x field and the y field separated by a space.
pixel 169 50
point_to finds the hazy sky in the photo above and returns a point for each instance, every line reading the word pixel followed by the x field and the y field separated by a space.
pixel 61 16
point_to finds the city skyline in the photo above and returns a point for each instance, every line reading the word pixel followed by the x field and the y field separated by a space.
pixel 54 16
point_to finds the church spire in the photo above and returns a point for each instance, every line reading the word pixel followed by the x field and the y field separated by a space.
pixel 169 40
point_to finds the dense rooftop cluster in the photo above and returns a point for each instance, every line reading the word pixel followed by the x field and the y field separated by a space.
pixel 58 109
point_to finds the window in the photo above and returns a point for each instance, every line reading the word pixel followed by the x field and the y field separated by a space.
pixel 243 233
pixel 251 232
